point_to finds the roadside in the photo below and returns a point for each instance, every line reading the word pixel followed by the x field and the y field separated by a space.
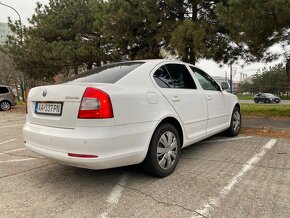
pixel 251 101
pixel 266 126
pixel 18 108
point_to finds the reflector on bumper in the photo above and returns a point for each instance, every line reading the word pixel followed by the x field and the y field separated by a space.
pixel 82 155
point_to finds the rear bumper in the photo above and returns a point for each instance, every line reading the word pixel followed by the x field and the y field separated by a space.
pixel 114 146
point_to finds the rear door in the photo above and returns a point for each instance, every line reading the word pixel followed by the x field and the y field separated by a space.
pixel 177 85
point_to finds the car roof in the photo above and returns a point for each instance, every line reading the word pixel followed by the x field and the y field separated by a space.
pixel 157 61
pixel 5 86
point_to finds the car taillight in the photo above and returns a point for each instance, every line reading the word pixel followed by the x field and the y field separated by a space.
pixel 95 104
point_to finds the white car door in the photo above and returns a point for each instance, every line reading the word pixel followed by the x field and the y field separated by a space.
pixel 177 85
pixel 218 102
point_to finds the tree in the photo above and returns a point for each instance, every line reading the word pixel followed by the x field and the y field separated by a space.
pixel 62 37
pixel 199 34
pixel 187 28
pixel 273 80
pixel 257 25
pixel 10 76
pixel 136 28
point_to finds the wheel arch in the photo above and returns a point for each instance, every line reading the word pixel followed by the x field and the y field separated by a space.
pixel 175 122
pixel 238 106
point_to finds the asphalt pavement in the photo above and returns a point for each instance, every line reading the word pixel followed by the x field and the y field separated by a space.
pixel 266 123
pixel 244 176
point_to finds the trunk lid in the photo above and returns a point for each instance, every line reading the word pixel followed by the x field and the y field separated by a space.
pixel 69 96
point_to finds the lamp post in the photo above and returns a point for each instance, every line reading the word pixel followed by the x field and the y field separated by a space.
pixel 20 21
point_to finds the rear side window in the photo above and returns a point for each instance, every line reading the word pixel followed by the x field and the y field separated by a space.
pixel 110 73
pixel 4 90
pixel 162 78
pixel 174 76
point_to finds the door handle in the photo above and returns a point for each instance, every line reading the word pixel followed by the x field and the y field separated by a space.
pixel 175 99
pixel 209 97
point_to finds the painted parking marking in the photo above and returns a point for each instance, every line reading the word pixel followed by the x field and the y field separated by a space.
pixel 10 151
pixel 115 195
pixel 5 142
pixel 225 140
pixel 208 206
pixel 2 127
pixel 9 119
pixel 19 160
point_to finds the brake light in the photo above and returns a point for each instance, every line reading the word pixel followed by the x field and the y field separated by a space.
pixel 95 104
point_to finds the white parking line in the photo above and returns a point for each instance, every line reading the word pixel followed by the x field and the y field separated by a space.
pixel 2 127
pixel 208 206
pixel 115 195
pixel 19 160
pixel 10 151
pixel 9 119
pixel 11 140
pixel 225 140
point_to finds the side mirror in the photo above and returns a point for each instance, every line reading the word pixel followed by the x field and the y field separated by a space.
pixel 225 85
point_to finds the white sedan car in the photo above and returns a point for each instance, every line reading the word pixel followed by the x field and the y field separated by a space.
pixel 129 113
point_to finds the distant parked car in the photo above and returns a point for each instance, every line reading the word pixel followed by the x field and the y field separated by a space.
pixel 266 98
pixel 7 98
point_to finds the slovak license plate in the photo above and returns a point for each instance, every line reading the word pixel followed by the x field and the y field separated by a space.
pixel 52 108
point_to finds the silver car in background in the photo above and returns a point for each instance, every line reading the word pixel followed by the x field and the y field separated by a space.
pixel 7 98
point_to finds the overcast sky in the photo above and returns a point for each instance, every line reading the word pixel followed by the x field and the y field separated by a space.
pixel 26 9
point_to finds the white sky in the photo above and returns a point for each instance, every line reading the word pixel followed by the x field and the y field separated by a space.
pixel 26 9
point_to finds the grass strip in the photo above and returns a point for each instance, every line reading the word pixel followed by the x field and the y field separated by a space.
pixel 268 110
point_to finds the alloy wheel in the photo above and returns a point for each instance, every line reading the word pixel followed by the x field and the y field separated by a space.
pixel 167 149
pixel 236 121
pixel 5 106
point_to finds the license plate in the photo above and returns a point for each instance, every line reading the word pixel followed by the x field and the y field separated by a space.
pixel 48 108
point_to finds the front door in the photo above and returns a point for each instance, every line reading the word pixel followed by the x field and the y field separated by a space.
pixel 217 101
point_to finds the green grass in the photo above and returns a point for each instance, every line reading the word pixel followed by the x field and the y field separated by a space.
pixel 20 103
pixel 267 110
pixel 251 97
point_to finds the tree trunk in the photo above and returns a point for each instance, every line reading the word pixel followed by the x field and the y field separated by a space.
pixel 191 49
pixel 288 72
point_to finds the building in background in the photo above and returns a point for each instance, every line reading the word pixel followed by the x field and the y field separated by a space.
pixel 4 33
pixel 221 79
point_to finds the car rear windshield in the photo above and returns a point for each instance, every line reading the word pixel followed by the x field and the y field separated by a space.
pixel 110 73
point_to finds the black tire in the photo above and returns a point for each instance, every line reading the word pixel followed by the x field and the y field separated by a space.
pixel 5 105
pixel 268 101
pixel 256 101
pixel 154 161
pixel 236 123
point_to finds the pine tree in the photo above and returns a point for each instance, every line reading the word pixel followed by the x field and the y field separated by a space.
pixel 63 36
pixel 258 25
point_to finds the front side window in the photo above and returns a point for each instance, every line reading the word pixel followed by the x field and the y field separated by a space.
pixel 3 90
pixel 206 82
pixel 174 76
